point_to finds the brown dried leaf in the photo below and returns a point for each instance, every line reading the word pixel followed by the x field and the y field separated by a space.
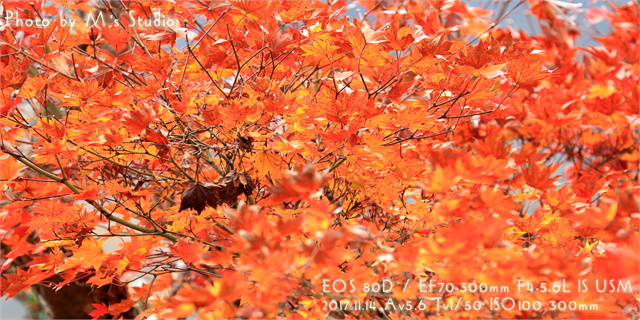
pixel 202 194
pixel 245 143
pixel 199 195
pixel 233 184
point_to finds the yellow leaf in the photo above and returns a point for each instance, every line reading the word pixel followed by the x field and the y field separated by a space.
pixel 600 91
pixel 178 225
pixel 320 49
pixel 442 179
pixel 523 196
pixel 90 253
pixel 266 162
pixel 57 243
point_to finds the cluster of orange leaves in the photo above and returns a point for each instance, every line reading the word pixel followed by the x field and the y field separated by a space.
pixel 392 150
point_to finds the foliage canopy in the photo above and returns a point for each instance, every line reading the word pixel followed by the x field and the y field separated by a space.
pixel 245 153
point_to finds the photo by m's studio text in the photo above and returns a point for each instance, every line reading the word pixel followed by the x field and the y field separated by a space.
pixel 92 19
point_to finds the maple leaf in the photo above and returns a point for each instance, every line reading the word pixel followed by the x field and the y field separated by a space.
pixel 298 184
pixel 100 280
pixel 524 72
pixel 231 287
pixel 10 168
pixel 267 162
pixel 233 184
pixel 540 178
pixel 32 86
pixel 116 35
pixel 492 71
pixel 561 233
pixel 88 194
pixel 321 50
pixel 90 253
pixel 188 251
pixel 141 117
pixel 13 284
pixel 226 190
pixel 435 124
pixel 199 195
pixel 441 179
pixel 596 218
pixel 99 311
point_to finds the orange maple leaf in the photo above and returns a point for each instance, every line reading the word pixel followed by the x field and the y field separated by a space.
pixel 540 178
pixel 189 251
pixel 525 72
pixel 89 254
pixel 10 168
pixel 141 117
